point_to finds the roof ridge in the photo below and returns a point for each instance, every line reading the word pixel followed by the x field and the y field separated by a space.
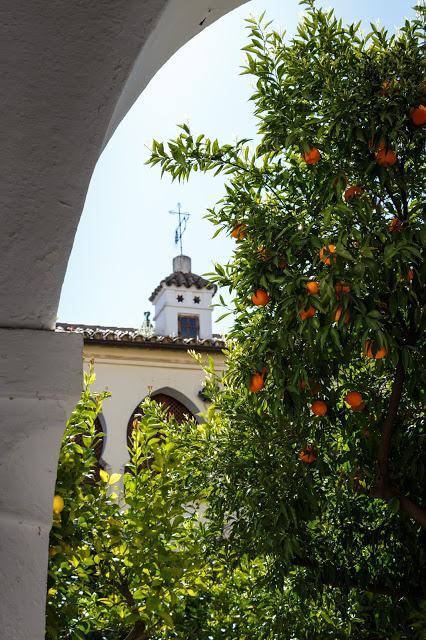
pixel 132 336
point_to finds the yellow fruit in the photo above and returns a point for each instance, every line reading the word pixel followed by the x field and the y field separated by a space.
pixel 58 504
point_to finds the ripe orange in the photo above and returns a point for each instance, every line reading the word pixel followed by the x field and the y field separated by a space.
pixel 58 504
pixel 312 156
pixel 418 115
pixel 323 254
pixel 308 456
pixel 385 157
pixel 260 298
pixel 341 287
pixel 239 232
pixel 410 274
pixel 354 399
pixel 359 408
pixel 319 408
pixel 368 351
pixel 313 287
pixel 395 225
pixel 352 192
pixel 257 381
pixel 309 313
pixel 338 314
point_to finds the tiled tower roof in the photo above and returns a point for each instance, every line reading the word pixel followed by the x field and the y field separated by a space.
pixel 181 279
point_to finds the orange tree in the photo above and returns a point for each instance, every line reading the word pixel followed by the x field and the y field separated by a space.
pixel 320 450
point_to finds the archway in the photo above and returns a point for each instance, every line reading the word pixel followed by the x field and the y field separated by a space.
pixel 70 73
pixel 175 407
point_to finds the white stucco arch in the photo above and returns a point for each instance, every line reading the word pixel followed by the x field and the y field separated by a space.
pixel 70 72
pixel 172 394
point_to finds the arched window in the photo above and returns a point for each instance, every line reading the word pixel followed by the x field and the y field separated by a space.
pixel 174 407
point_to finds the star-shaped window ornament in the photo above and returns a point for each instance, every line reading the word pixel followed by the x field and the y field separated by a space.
pixel 180 298
pixel 197 299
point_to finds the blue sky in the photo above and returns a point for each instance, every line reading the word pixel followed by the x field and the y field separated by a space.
pixel 125 241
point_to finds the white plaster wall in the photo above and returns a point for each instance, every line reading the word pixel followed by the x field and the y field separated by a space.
pixel 178 23
pixel 167 309
pixel 130 374
pixel 69 73
pixel 40 383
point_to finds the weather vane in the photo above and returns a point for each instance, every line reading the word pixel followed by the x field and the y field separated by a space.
pixel 180 229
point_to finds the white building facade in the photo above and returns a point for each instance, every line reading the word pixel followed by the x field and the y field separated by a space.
pixel 132 364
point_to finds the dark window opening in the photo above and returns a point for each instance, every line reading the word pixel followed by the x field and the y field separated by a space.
pixel 188 326
pixel 174 408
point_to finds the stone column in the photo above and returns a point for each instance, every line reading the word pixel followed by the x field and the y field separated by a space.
pixel 40 382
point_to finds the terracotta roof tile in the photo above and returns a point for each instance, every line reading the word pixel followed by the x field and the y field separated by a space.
pixel 126 336
pixel 181 279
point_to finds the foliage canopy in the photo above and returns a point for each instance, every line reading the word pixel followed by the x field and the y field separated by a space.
pixel 333 194
pixel 315 472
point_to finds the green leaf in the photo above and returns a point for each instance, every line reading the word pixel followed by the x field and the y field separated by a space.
pixel 104 475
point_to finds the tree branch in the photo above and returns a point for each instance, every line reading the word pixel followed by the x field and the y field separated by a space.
pixel 404 196
pixel 383 488
pixel 383 452
pixel 394 201
pixel 138 632
pixel 413 510
pixel 342 582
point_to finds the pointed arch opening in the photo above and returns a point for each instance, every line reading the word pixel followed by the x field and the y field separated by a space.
pixel 172 401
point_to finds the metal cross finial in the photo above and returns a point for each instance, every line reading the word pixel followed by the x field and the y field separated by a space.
pixel 183 219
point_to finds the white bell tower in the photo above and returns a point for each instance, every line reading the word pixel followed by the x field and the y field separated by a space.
pixel 183 303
